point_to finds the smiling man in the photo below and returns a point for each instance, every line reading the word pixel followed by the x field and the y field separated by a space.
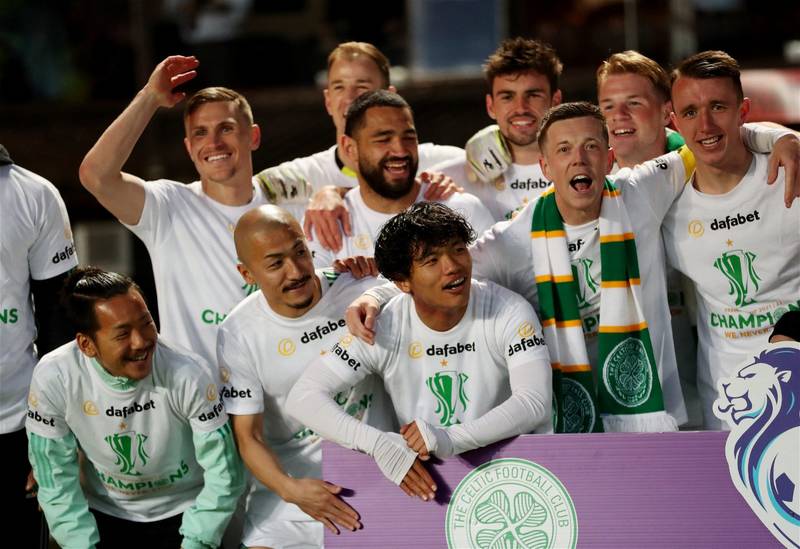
pixel 381 142
pixel 188 229
pixel 160 461
pixel 263 346
pixel 502 163
pixel 732 235
pixel 463 361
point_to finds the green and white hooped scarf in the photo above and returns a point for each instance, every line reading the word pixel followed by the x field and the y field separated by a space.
pixel 628 395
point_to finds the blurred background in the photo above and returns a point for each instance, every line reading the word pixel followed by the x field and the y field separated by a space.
pixel 69 67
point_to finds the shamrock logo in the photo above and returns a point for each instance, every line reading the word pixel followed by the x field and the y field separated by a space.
pixel 514 527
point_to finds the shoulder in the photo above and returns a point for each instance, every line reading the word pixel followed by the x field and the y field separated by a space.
pixel 28 187
pixel 59 364
pixel 243 312
pixel 178 368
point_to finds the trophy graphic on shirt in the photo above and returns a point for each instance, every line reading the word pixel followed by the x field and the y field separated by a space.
pixel 129 448
pixel 448 388
pixel 586 286
pixel 737 266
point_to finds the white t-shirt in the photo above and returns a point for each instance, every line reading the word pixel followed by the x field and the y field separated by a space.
pixel 505 196
pixel 190 240
pixel 322 169
pixel 448 377
pixel 647 192
pixel 366 224
pixel 742 251
pixel 262 354
pixel 140 459
pixel 35 243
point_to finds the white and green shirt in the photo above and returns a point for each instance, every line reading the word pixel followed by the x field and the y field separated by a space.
pixel 35 243
pixel 366 224
pixel 262 354
pixel 154 447
pixel 742 251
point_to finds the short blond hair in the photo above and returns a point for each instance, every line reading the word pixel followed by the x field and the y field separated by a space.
pixel 351 50
pixel 633 62
pixel 219 94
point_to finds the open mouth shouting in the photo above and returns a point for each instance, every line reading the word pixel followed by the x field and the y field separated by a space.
pixel 397 167
pixel 581 183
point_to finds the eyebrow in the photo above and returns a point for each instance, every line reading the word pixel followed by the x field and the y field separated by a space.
pixel 276 255
pixel 126 325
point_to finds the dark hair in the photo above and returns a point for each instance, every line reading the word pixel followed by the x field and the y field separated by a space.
pixel 350 51
pixel 788 325
pixel 566 111
pixel 413 233
pixel 520 55
pixel 84 287
pixel 710 64
pixel 354 118
pixel 217 95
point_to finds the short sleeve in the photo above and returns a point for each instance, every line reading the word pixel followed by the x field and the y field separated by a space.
pixel 242 392
pixel 156 218
pixel 659 181
pixel 46 405
pixel 199 395
pixel 53 251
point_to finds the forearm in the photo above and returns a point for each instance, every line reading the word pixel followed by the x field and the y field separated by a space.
pixel 383 293
pixel 55 466
pixel 223 483
pixel 262 462
pixel 761 137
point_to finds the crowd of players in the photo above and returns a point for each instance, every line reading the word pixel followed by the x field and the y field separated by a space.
pixel 535 281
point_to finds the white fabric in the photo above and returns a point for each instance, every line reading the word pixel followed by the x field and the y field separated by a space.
pixel 262 354
pixel 458 380
pixel 295 534
pixel 321 169
pixel 157 474
pixel 647 192
pixel 35 243
pixel 190 240
pixel 366 224
pixel 766 250
pixel 507 195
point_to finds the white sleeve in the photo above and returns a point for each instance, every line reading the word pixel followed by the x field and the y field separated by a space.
pixel 431 154
pixel 455 169
pixel 156 220
pixel 760 138
pixel 53 236
pixel 503 255
pixel 46 402
pixel 383 293
pixel 310 402
pixel 322 257
pixel 659 181
pixel 243 394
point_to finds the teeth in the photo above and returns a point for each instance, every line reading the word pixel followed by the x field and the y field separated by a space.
pixel 627 131
pixel 455 283
pixel 216 157
pixel 522 123
pixel 710 140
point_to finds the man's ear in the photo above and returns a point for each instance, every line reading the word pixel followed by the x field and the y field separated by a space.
pixel 86 345
pixel 744 110
pixel 245 272
pixel 556 98
pixel 187 146
pixel 349 147
pixel 666 112
pixel 610 163
pixel 392 89
pixel 255 137
pixel 327 97
pixel 490 106
pixel 545 170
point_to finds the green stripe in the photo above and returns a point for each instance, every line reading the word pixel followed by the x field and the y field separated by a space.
pixel 618 261
pixel 546 216
pixel 674 140
pixel 37 453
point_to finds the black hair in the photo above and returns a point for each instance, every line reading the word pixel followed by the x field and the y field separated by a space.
pixel 413 233
pixel 567 111
pixel 84 287
pixel 354 117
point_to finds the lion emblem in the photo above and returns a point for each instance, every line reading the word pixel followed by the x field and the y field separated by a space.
pixel 762 408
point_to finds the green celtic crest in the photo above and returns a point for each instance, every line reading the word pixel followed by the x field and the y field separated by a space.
pixel 627 374
pixel 128 448
pixel 511 504
pixel 737 266
pixel 577 407
pixel 448 388
pixel 585 286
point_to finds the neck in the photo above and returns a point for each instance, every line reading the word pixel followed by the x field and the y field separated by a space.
pixel 381 204
pixel 292 312
pixel 232 194
pixel 723 178
pixel 440 319
pixel 574 216
pixel 525 155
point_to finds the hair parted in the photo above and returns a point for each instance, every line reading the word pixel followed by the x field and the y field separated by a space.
pixel 633 62
pixel 520 55
pixel 413 233
pixel 567 111
pixel 84 287
pixel 349 51
pixel 710 64
pixel 215 95
pixel 356 112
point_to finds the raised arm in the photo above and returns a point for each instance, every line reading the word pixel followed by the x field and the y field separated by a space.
pixel 101 173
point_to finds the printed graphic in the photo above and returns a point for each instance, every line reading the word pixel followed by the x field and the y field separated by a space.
pixel 760 405
pixel 130 451
pixel 577 409
pixel 362 242
pixel 511 504
pixel 286 347
pixel 415 349
pixel 448 388
pixel 627 374
pixel 696 228
pixel 525 329
pixel 737 266
pixel 586 285
pixel 90 408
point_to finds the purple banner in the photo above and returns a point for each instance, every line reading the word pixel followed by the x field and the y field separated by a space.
pixel 606 490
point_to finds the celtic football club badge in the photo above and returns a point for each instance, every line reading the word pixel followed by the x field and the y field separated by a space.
pixel 626 373
pixel 448 388
pixel 130 451
pixel 586 286
pixel 737 266
pixel 577 408
pixel 511 504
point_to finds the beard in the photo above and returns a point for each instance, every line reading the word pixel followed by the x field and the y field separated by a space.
pixel 374 176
